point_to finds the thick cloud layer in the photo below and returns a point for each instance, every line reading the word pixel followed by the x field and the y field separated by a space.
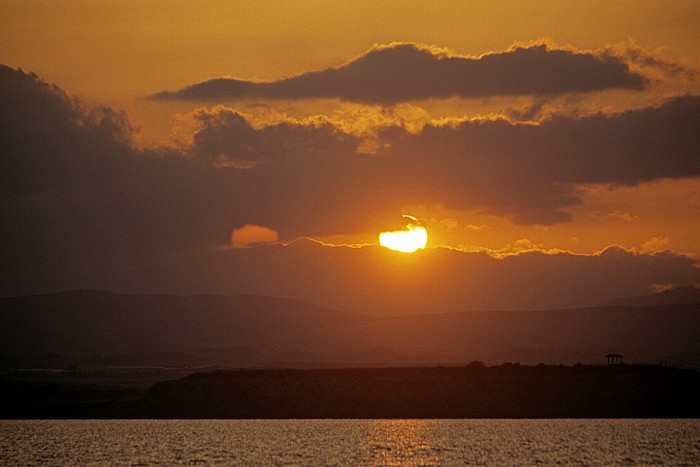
pixel 407 72
pixel 524 172
pixel 81 207
pixel 307 178
pixel 371 279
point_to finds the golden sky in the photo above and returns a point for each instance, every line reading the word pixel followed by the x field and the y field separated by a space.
pixel 503 127
pixel 103 50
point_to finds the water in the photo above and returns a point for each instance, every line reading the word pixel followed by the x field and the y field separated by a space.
pixel 349 442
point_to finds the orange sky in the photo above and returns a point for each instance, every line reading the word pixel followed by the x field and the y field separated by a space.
pixel 499 167
pixel 103 50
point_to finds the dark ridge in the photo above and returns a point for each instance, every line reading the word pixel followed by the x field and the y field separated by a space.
pixel 510 390
pixel 474 391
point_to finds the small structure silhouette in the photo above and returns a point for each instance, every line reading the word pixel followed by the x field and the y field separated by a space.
pixel 614 359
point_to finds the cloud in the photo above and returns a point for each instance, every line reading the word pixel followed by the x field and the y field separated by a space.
pixel 50 141
pixel 73 181
pixel 527 173
pixel 646 61
pixel 401 72
pixel 625 216
pixel 656 245
pixel 82 207
pixel 434 280
pixel 476 227
pixel 253 235
pixel 373 279
pixel 73 184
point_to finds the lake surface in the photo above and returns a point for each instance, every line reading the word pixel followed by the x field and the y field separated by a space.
pixel 350 442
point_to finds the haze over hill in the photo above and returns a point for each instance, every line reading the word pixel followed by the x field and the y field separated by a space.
pixel 100 328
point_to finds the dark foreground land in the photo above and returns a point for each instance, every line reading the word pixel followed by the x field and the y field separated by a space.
pixel 34 396
pixel 472 391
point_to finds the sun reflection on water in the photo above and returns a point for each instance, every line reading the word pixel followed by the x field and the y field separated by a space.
pixel 401 442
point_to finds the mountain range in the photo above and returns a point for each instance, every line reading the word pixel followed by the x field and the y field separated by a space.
pixel 102 329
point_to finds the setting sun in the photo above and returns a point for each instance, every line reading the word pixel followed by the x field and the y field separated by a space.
pixel 413 238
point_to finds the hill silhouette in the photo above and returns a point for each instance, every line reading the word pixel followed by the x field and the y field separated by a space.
pixel 474 391
pixel 674 296
pixel 99 329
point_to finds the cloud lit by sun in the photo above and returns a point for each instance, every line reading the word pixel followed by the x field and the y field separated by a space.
pixel 413 238
pixel 252 235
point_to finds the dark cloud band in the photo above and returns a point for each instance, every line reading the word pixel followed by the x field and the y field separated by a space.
pixel 308 178
pixel 408 72
pixel 81 207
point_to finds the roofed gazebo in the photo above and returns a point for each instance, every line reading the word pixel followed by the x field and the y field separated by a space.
pixel 614 359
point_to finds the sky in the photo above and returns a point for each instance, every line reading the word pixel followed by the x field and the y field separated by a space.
pixel 550 150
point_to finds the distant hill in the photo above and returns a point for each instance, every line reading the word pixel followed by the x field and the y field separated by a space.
pixel 675 296
pixel 469 391
pixel 105 328
pixel 93 329
pixel 474 391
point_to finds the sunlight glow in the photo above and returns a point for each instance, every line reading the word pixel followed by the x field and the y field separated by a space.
pixel 413 238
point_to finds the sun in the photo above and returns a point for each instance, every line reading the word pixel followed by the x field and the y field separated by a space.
pixel 413 238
